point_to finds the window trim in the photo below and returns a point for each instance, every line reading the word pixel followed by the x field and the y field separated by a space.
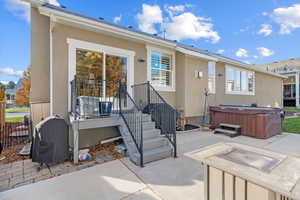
pixel 214 81
pixel 173 70
pixel 238 92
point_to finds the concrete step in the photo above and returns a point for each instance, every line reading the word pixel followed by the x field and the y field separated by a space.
pixel 147 134
pixel 229 133
pixel 153 154
pixel 152 143
pixel 148 125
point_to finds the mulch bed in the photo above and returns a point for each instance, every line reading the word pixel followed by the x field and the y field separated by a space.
pixel 12 154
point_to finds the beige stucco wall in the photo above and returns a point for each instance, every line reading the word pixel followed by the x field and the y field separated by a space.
pixel 40 57
pixel 268 89
pixel 60 61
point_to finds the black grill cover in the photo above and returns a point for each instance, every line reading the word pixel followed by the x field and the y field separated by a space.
pixel 50 141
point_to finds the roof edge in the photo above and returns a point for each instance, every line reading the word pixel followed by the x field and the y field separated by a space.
pixel 57 13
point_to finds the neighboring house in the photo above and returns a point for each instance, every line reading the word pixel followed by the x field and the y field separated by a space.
pixel 291 86
pixel 10 96
pixel 66 44
pixel 11 93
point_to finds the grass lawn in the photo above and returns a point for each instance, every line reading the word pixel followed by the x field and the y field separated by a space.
pixel 15 110
pixel 293 109
pixel 14 119
pixel 292 125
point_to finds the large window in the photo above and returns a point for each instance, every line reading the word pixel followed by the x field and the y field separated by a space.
pixel 161 69
pixel 239 81
pixel 211 77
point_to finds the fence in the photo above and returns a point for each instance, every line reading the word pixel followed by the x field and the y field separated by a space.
pixel 2 114
pixel 15 133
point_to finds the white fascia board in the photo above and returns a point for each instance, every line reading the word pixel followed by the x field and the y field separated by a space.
pixel 196 54
pixel 88 24
pixel 34 3
pixel 250 67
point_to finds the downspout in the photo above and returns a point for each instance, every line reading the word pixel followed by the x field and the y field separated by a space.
pixel 52 24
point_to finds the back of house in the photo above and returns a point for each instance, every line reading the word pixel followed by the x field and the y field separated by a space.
pixel 66 45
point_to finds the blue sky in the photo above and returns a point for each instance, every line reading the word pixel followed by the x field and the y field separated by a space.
pixel 256 31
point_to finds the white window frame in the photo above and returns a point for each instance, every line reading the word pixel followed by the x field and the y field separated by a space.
pixel 252 93
pixel 151 49
pixel 79 44
pixel 213 91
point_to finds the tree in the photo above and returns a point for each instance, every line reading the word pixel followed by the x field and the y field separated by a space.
pixel 2 93
pixel 11 85
pixel 22 94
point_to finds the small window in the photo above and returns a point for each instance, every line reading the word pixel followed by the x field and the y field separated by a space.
pixel 211 77
pixel 161 69
pixel 239 81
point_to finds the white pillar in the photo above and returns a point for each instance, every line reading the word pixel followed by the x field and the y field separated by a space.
pixel 297 89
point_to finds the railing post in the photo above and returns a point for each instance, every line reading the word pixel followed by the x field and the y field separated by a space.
pixel 174 134
pixel 120 90
pixel 142 141
pixel 148 96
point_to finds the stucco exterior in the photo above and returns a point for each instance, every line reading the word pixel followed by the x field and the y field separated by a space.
pixel 189 90
pixel 40 57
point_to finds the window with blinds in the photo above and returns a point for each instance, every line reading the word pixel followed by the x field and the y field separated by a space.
pixel 161 69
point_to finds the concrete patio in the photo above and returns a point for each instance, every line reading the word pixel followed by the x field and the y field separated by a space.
pixel 179 178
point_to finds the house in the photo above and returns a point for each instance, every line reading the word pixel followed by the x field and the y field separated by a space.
pixel 71 52
pixel 291 88
pixel 11 93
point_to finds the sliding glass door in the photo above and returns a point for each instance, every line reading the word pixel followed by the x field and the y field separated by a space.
pixel 99 73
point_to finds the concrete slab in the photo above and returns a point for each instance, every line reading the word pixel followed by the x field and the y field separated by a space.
pixel 289 145
pixel 146 194
pixel 173 179
pixel 168 179
pixel 111 180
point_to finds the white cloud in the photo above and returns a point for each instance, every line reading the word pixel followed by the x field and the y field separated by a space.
pixel 11 72
pixel 21 9
pixel 221 51
pixel 265 52
pixel 189 26
pixel 288 18
pixel 176 9
pixel 264 14
pixel 241 53
pixel 266 29
pixel 117 19
pixel 150 16
pixel 179 24
pixel 255 56
pixel 18 8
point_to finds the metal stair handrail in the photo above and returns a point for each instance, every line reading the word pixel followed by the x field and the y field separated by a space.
pixel 133 119
pixel 163 114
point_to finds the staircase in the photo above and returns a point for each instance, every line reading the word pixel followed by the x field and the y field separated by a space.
pixel 148 125
pixel 155 146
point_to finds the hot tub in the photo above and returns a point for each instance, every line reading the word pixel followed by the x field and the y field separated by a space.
pixel 258 122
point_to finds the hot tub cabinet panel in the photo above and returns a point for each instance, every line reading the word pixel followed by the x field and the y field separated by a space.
pixel 260 123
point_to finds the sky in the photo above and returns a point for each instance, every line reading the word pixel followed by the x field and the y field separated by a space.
pixel 256 31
